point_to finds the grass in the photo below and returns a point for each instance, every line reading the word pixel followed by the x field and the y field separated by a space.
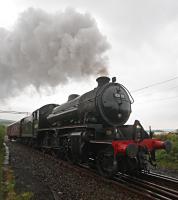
pixel 2 131
pixel 9 188
pixel 7 180
pixel 168 161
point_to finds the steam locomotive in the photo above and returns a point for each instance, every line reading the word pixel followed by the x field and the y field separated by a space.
pixel 90 129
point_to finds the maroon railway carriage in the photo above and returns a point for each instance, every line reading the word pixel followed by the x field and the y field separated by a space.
pixel 13 130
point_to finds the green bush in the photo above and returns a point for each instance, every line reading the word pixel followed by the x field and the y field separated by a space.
pixel 2 132
pixel 169 160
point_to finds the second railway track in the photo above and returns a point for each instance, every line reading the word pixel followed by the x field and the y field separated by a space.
pixel 150 189
pixel 146 188
pixel 159 178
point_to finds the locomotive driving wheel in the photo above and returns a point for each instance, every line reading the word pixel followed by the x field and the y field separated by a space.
pixel 106 164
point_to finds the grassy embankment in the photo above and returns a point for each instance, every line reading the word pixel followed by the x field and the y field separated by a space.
pixel 2 130
pixel 170 160
pixel 7 180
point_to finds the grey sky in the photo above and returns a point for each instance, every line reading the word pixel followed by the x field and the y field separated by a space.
pixel 144 46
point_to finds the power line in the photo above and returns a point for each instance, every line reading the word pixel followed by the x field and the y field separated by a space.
pixel 155 84
pixel 160 91
pixel 13 112
pixel 161 99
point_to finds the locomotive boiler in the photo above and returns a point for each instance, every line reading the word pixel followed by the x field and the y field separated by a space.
pixel 108 104
pixel 91 129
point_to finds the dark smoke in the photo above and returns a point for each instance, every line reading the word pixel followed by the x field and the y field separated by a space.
pixel 45 50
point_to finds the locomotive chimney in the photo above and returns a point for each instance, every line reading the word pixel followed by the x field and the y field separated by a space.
pixel 102 80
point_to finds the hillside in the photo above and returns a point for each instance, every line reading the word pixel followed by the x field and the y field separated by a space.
pixel 5 122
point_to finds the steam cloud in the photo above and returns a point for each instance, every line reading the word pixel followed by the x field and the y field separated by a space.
pixel 48 49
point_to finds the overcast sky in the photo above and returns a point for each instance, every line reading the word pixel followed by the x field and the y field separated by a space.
pixel 137 41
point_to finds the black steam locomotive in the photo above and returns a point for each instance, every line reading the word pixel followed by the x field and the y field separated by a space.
pixel 90 129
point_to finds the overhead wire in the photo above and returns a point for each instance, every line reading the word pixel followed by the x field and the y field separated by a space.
pixel 160 99
pixel 155 84
pixel 13 112
pixel 150 93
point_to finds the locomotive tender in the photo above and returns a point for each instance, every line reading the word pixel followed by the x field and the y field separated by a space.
pixel 90 129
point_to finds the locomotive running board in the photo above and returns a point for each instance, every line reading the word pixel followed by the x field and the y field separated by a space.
pixel 99 142
pixel 94 126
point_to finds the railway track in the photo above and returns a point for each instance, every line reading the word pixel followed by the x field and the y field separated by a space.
pixel 164 177
pixel 141 185
pixel 146 186
pixel 161 177
pixel 149 189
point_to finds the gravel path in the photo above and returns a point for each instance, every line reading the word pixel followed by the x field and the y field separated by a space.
pixel 41 175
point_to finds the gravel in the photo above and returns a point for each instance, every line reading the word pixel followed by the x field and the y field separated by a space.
pixel 47 178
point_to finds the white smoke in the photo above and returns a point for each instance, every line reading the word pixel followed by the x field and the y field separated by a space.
pixel 44 50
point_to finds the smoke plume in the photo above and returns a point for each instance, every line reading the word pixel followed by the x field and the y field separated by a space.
pixel 45 50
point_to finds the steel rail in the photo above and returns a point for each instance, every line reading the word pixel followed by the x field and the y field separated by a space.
pixel 141 188
pixel 160 179
pixel 158 191
pixel 163 177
